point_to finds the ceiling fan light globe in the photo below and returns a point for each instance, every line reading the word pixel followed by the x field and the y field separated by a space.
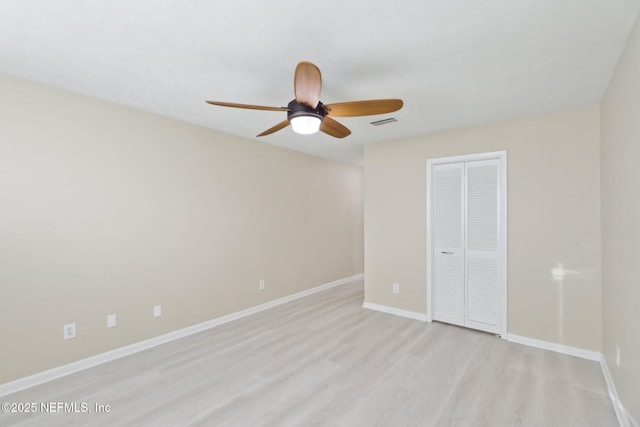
pixel 305 125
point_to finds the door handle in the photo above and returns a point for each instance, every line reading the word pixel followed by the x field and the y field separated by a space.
pixel 446 253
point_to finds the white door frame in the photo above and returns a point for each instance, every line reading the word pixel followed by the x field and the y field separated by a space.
pixel 502 228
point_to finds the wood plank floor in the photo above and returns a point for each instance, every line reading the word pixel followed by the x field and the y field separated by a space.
pixel 324 360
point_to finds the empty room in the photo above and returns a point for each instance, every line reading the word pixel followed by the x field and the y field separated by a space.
pixel 362 213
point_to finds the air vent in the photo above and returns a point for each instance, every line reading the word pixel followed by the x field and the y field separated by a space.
pixel 384 121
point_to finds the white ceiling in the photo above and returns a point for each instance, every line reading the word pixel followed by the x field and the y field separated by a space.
pixel 454 63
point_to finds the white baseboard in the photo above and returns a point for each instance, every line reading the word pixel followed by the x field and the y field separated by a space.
pixel 80 365
pixel 396 311
pixel 558 348
pixel 624 418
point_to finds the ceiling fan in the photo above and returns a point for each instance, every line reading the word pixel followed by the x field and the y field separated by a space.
pixel 307 114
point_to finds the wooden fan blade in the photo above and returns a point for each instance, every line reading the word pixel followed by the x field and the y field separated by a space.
pixel 283 124
pixel 247 106
pixel 307 83
pixel 333 128
pixel 363 108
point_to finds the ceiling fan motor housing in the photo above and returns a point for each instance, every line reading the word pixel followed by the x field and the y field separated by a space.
pixel 297 109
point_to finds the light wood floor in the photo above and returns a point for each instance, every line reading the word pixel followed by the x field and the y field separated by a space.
pixel 324 360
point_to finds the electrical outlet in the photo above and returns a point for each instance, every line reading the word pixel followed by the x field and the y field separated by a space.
pixel 111 321
pixel 157 310
pixel 396 288
pixel 261 285
pixel 69 331
pixel 618 356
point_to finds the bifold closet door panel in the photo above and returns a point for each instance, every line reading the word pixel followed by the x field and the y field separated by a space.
pixel 448 240
pixel 481 262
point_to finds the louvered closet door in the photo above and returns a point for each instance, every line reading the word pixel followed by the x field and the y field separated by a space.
pixel 481 261
pixel 448 235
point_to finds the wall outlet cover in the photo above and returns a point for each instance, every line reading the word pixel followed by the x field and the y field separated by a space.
pixel 111 321
pixel 69 331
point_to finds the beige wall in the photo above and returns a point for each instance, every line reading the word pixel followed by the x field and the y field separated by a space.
pixel 553 217
pixel 105 209
pixel 620 166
